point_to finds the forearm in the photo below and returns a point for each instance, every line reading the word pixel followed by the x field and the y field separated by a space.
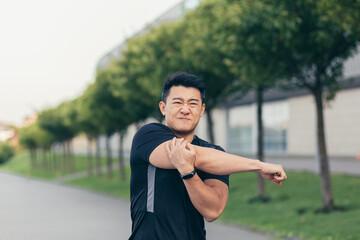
pixel 222 163
pixel 205 199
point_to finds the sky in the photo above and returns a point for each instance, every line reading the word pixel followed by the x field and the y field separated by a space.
pixel 49 49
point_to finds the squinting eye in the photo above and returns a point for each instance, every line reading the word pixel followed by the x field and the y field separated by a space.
pixel 176 102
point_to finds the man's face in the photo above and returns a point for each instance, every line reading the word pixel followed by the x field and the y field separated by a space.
pixel 183 109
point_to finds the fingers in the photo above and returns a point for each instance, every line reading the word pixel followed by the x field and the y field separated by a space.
pixel 190 147
pixel 175 142
pixel 178 143
pixel 280 175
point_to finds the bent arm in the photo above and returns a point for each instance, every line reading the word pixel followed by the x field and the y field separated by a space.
pixel 208 197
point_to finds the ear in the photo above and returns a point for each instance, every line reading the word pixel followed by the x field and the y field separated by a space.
pixel 202 110
pixel 162 107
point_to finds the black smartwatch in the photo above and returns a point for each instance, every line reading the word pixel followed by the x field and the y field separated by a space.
pixel 188 175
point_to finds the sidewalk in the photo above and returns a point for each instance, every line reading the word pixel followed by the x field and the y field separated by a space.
pixel 57 212
pixel 337 165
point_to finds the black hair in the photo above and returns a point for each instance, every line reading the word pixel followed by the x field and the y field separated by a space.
pixel 183 79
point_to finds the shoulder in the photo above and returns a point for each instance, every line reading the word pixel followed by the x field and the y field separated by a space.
pixel 203 143
pixel 152 128
pixel 147 138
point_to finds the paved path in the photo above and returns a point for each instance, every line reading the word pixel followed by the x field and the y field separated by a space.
pixel 342 166
pixel 38 210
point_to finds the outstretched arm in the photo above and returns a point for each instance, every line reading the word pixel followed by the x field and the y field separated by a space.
pixel 217 162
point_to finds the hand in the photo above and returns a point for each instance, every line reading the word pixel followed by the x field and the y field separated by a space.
pixel 273 172
pixel 181 154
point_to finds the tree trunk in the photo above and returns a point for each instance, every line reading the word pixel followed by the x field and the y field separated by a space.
pixel 121 157
pixel 51 165
pixel 32 158
pixel 44 160
pixel 71 156
pixel 108 157
pixel 35 158
pixel 322 157
pixel 64 164
pixel 89 158
pixel 98 157
pixel 210 125
pixel 54 158
pixel 68 158
pixel 260 142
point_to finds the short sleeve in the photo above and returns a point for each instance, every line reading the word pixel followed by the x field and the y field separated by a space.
pixel 146 139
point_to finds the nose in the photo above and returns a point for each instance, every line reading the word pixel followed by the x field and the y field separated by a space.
pixel 185 109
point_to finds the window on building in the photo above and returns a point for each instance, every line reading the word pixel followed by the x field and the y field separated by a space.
pixel 275 118
pixel 240 136
pixel 243 133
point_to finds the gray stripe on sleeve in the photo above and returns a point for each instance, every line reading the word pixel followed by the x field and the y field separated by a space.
pixel 151 188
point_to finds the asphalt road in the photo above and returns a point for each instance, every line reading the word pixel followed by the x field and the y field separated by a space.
pixel 38 210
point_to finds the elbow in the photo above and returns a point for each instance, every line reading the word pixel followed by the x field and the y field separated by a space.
pixel 199 164
pixel 212 216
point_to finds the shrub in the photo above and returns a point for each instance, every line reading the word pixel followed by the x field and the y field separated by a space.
pixel 6 152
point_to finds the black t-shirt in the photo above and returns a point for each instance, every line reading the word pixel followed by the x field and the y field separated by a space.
pixel 161 208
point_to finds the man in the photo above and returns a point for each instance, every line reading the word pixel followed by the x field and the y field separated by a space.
pixel 178 179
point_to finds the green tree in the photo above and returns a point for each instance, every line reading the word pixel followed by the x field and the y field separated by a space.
pixel 90 125
pixel 251 50
pixel 204 36
pixel 35 138
pixel 144 66
pixel 113 109
pixel 308 47
pixel 27 138
pixel 60 123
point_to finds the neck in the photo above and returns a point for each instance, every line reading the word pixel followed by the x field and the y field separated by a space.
pixel 189 136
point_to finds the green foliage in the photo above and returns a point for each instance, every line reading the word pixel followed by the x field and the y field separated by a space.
pixel 146 62
pixel 298 41
pixel 6 152
pixel 27 136
pixel 88 119
pixel 108 103
pixel 345 12
pixel 205 39
pixel 53 121
pixel 34 136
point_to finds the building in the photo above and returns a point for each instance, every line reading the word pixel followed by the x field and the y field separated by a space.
pixel 8 134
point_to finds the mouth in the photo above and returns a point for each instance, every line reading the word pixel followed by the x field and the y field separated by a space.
pixel 185 119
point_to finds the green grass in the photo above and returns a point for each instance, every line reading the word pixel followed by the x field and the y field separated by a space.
pixel 20 164
pixel 103 184
pixel 291 211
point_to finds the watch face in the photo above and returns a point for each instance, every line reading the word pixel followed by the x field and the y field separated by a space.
pixel 189 175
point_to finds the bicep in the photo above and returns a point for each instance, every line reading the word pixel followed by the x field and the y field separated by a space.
pixel 159 158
